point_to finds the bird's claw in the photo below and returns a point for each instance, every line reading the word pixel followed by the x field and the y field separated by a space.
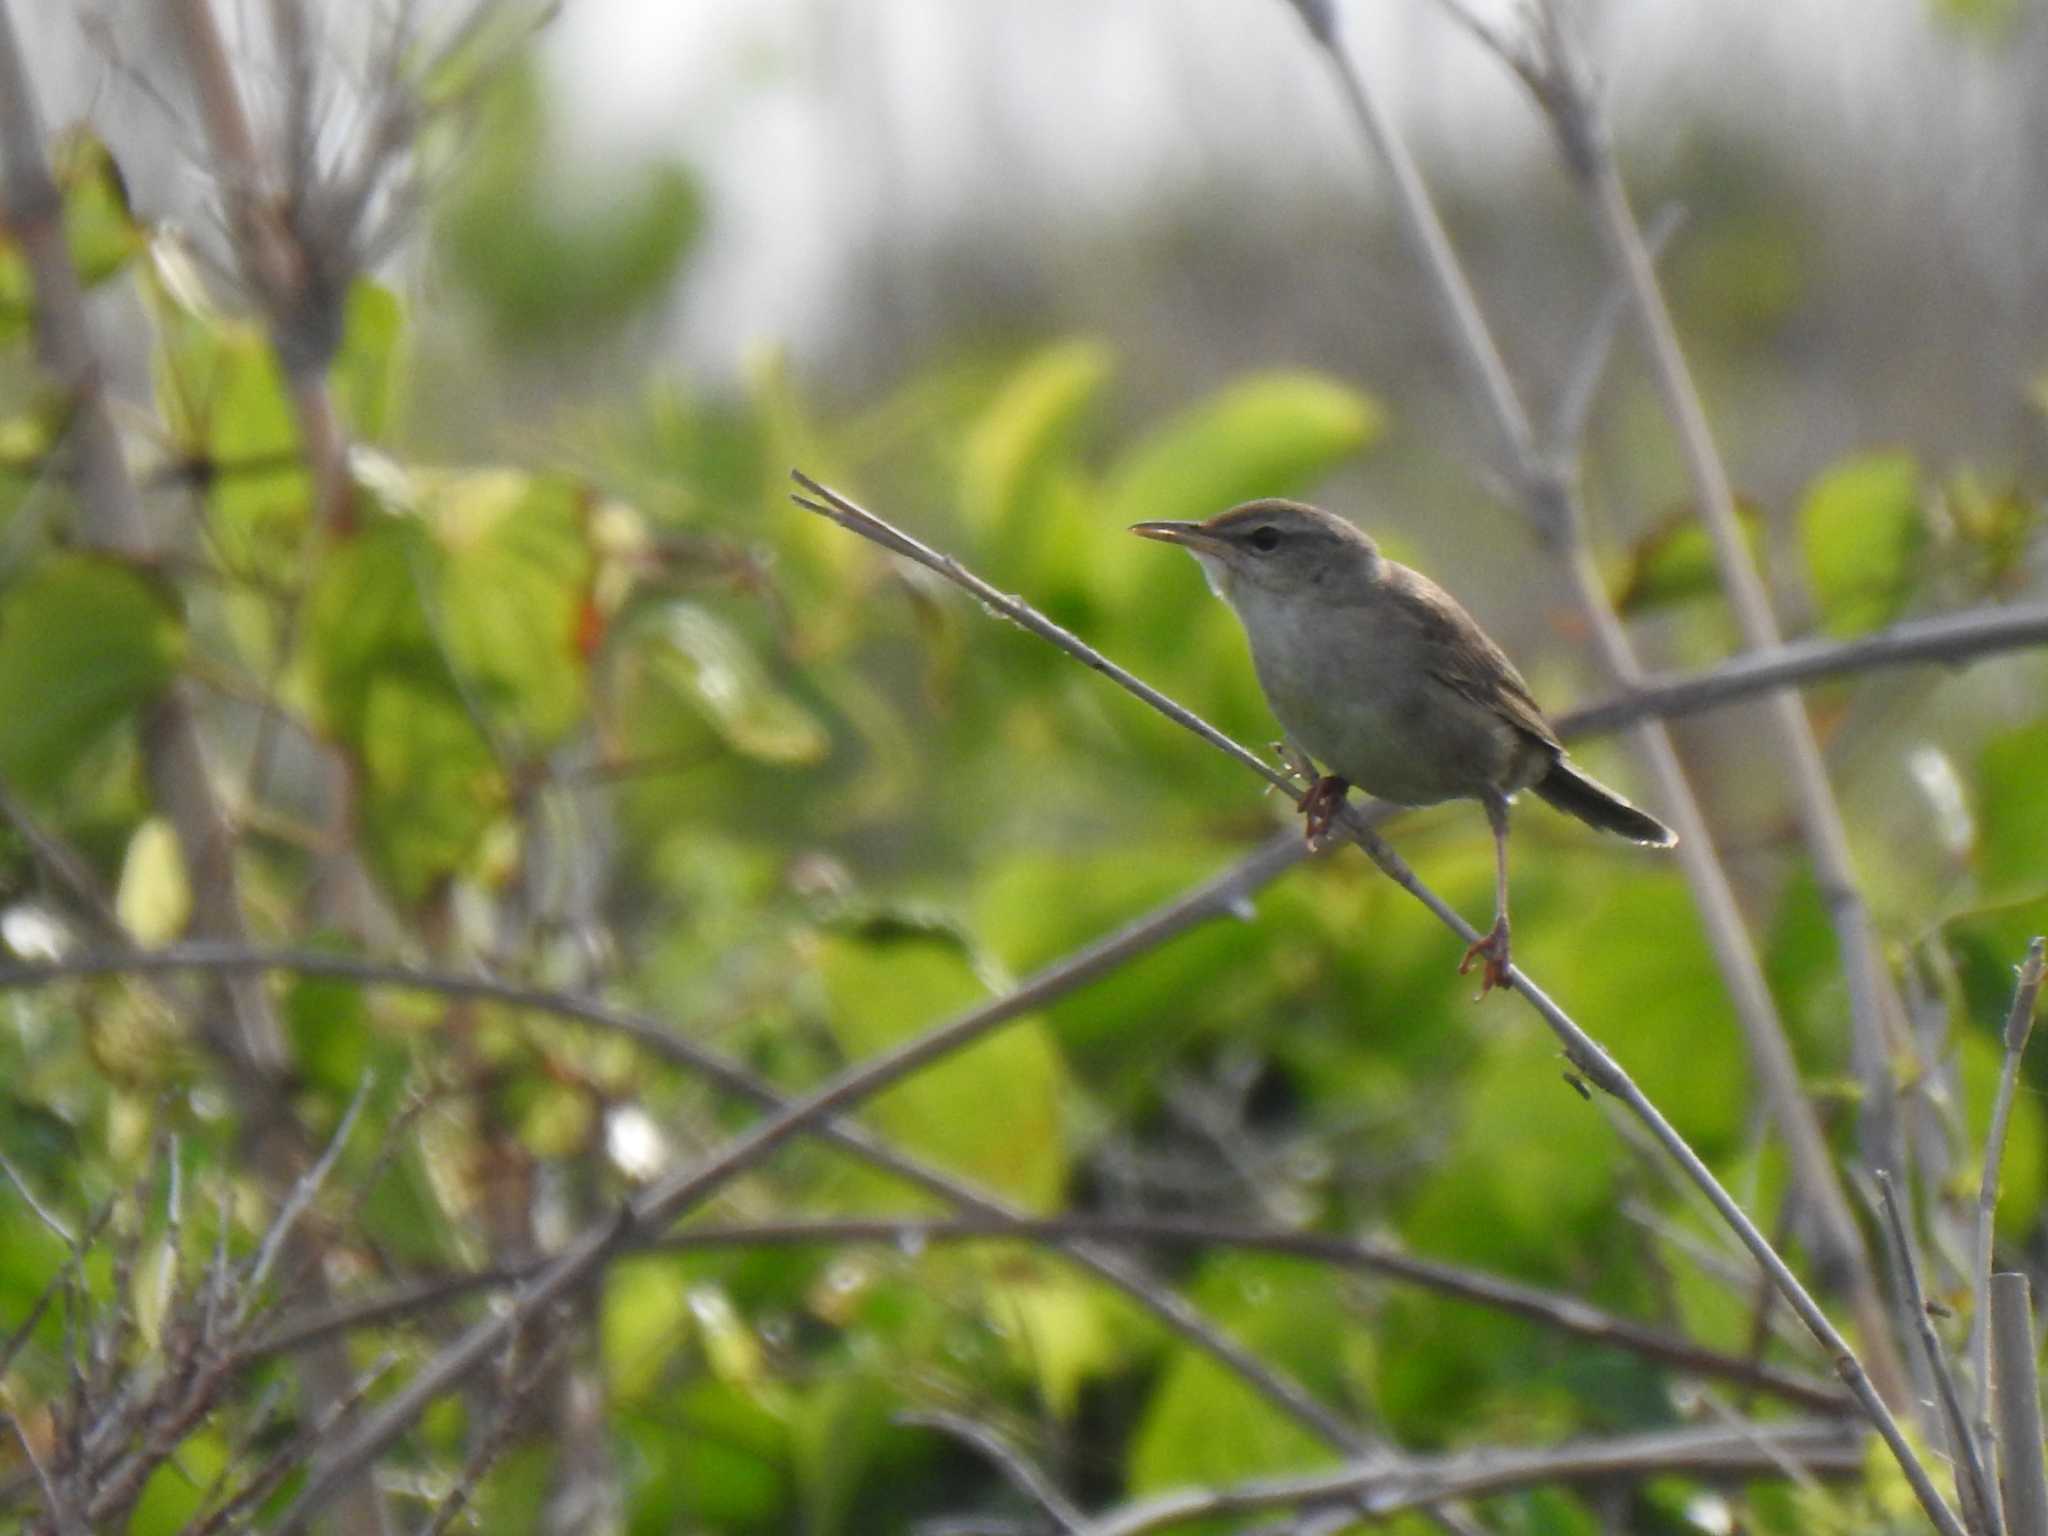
pixel 1319 807
pixel 1493 948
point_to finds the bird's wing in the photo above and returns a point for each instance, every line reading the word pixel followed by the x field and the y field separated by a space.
pixel 1460 655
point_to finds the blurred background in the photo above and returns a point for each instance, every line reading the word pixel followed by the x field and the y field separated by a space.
pixel 570 691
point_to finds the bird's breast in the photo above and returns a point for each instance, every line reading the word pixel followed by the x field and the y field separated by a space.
pixel 1353 691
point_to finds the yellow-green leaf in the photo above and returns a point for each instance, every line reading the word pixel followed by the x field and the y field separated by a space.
pixel 1025 428
pixel 1862 528
pixel 154 899
pixel 993 1110
pixel 1674 562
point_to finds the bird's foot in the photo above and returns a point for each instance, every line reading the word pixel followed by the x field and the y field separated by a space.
pixel 1493 948
pixel 1319 807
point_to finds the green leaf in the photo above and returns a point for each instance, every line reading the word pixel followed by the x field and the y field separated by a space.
pixel 702 660
pixel 510 591
pixel 707 1457
pixel 1862 528
pixel 1674 562
pixel 229 424
pixel 2012 840
pixel 101 233
pixel 992 1111
pixel 646 1318
pixel 1062 1329
pixel 330 1031
pixel 364 619
pixel 1202 1424
pixel 430 785
pixel 836 1434
pixel 1272 434
pixel 83 644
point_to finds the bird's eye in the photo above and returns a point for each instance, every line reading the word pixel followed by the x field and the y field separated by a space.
pixel 1265 540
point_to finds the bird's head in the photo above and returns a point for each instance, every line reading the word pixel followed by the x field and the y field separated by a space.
pixel 1277 549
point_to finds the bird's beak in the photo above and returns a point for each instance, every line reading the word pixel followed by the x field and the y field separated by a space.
pixel 1175 533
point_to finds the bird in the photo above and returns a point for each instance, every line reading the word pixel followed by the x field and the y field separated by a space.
pixel 1381 679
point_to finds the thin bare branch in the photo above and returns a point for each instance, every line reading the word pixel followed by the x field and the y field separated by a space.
pixel 1753 1450
pixel 64 1515
pixel 1011 1462
pixel 43 1214
pixel 2019 1026
pixel 1550 1309
pixel 1948 640
pixel 1578 117
pixel 294 1205
pixel 1973 1488
pixel 1582 385
pixel 1552 507
pixel 835 508
pixel 2021 1473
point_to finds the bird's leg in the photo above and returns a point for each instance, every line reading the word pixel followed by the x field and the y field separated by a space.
pixel 1494 946
pixel 1319 807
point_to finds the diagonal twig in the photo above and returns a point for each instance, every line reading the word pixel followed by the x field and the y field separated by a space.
pixel 1011 1462
pixel 1973 1489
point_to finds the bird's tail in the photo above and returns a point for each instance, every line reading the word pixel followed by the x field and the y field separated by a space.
pixel 1598 806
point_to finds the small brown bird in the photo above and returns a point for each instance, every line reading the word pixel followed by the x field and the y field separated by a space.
pixel 1377 674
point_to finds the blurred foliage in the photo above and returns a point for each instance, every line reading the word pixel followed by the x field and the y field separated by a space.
pixel 622 719
pixel 549 278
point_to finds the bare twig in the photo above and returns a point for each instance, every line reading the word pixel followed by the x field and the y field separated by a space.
pixel 1581 1050
pixel 64 1515
pixel 514 1394
pixel 1948 640
pixel 1011 1462
pixel 2019 1025
pixel 1574 406
pixel 1548 490
pixel 1753 1450
pixel 2018 1397
pixel 1550 1309
pixel 1973 1489
pixel 42 1212
pixel 294 1205
pixel 1577 114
